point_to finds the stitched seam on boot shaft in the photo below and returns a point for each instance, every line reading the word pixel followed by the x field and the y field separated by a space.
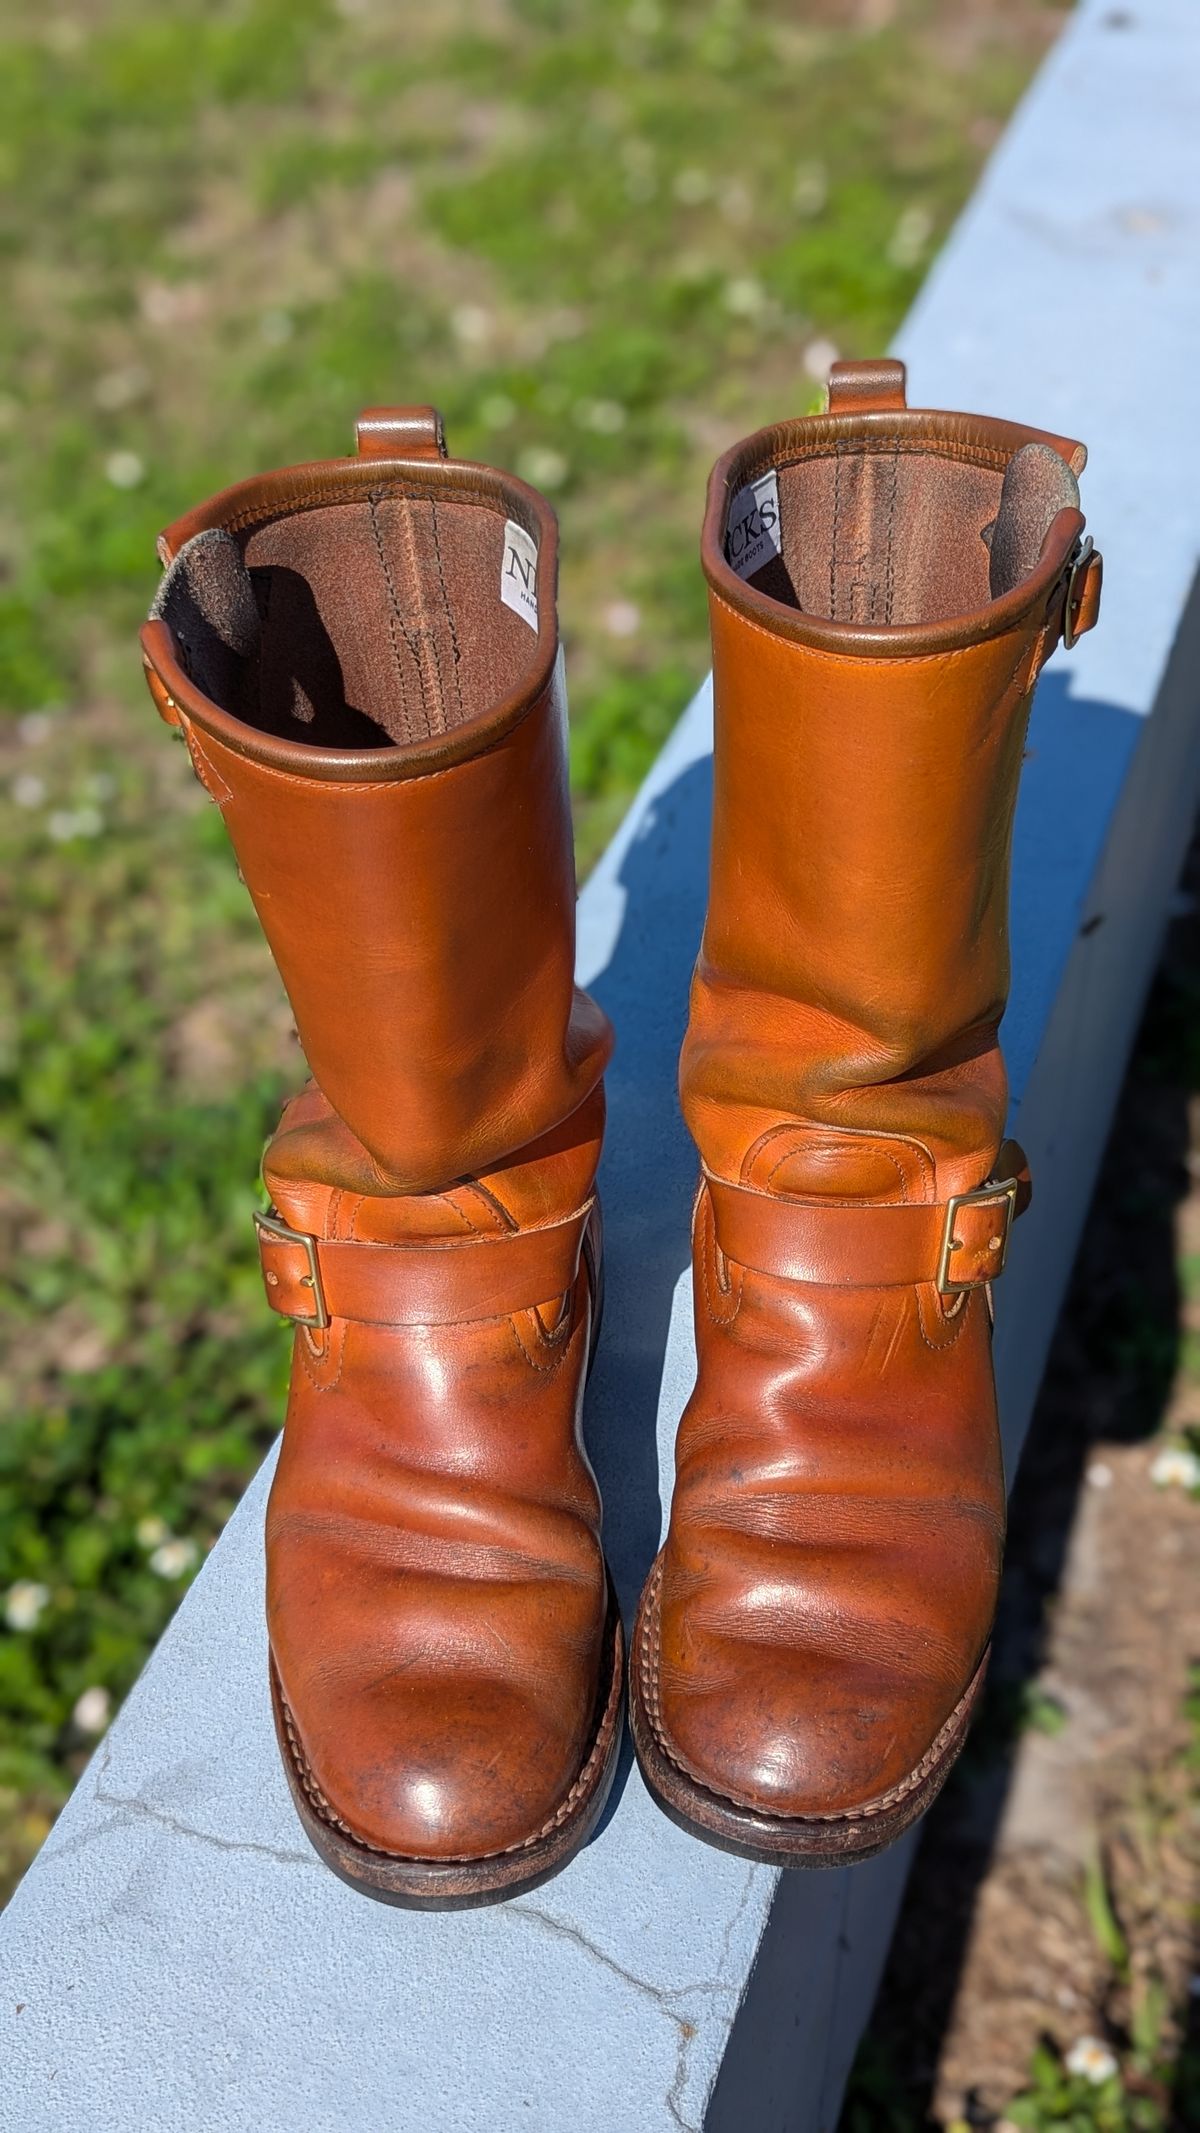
pixel 266 514
pixel 1024 626
pixel 379 785
pixel 448 611
pixel 887 1154
pixel 985 456
pixel 412 729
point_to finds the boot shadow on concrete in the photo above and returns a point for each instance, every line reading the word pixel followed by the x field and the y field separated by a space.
pixel 648 1174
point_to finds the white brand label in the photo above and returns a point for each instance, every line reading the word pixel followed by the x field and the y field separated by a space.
pixel 752 535
pixel 518 573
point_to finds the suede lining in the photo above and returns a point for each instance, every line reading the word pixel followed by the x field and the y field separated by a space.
pixel 888 533
pixel 355 625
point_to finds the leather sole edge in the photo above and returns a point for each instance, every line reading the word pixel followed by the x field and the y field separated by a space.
pixel 791 1841
pixel 465 1884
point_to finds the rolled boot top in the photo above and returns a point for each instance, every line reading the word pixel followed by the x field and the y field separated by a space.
pixel 362 655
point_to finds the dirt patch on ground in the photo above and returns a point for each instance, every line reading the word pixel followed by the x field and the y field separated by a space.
pixel 1056 1894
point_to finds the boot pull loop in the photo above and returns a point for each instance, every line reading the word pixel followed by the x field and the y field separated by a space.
pixel 400 433
pixel 875 386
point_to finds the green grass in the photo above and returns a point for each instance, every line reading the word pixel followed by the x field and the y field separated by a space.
pixel 602 237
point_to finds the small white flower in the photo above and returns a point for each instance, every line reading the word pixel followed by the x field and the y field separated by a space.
pixel 33 727
pixel 543 467
pixel 735 203
pixel 471 324
pixel 811 189
pixel 745 297
pixel 68 822
pixel 819 357
pixel 910 236
pixel 174 1558
pixel 622 619
pixel 276 326
pixel 24 1603
pixel 1099 1475
pixel 691 187
pixel 93 1710
pixel 1175 1467
pixel 606 417
pixel 498 411
pixel 1091 2061
pixel 124 469
pixel 120 388
pixel 151 1532
pixel 28 790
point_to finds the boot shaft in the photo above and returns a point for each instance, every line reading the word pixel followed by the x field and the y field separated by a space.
pixel 906 573
pixel 363 657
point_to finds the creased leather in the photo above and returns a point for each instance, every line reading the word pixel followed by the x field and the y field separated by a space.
pixel 436 1589
pixel 830 1572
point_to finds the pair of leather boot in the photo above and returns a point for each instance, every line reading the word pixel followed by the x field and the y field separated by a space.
pixel 362 655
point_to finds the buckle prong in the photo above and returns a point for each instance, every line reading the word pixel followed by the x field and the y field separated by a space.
pixel 278 1232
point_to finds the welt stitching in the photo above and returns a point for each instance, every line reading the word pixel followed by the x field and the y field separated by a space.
pixel 649 1658
pixel 327 1813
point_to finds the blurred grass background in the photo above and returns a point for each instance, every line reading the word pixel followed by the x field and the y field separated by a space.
pixel 607 238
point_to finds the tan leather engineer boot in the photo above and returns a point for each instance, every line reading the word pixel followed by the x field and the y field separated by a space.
pixel 885 584
pixel 362 655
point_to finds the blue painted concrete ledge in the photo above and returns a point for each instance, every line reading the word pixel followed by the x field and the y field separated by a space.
pixel 177 1959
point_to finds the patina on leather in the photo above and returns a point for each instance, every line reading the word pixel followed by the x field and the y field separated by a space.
pixel 385 739
pixel 813 1632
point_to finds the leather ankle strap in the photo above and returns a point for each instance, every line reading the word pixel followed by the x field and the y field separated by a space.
pixel 312 1280
pixel 959 1243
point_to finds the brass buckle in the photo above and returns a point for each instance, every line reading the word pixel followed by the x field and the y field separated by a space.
pixel 271 1226
pixel 1079 563
pixel 1002 1193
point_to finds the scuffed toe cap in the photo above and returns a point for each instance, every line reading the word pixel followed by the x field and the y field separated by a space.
pixel 470 1770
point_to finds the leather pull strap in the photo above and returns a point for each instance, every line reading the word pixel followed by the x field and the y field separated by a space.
pixel 400 433
pixel 875 386
pixel 312 1280
pixel 957 1244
